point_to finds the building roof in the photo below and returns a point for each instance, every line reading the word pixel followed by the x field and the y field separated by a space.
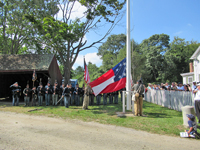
pixel 195 55
pixel 187 74
pixel 25 62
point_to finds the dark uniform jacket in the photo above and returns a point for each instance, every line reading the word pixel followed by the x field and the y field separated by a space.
pixel 40 91
pixel 61 89
pixel 78 91
pixel 15 89
pixel 66 92
pixel 27 91
pixel 55 90
pixel 48 89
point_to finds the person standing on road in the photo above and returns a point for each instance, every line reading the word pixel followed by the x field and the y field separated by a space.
pixel 66 94
pixel 48 92
pixel 55 93
pixel 87 93
pixel 27 94
pixel 40 91
pixel 138 91
pixel 99 99
pixel 116 93
pixel 62 87
pixel 77 93
pixel 15 93
pixel 104 98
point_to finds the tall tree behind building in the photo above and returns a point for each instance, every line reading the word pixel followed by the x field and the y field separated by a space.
pixel 17 35
pixel 65 36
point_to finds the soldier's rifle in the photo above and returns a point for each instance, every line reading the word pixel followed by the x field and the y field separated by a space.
pixel 62 98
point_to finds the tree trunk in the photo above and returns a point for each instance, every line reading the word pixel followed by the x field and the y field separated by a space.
pixel 67 73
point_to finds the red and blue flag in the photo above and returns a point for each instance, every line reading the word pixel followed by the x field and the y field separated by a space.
pixel 111 81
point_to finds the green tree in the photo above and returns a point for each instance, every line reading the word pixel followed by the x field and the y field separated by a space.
pixel 177 58
pixel 65 37
pixel 137 60
pixel 16 32
pixel 154 48
pixel 110 50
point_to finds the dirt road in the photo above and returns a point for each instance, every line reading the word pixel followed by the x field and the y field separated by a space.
pixel 24 132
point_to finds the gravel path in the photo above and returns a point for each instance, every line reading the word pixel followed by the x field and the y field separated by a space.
pixel 25 132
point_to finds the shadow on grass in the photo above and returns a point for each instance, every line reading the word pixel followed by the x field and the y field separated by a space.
pixel 97 112
pixel 157 115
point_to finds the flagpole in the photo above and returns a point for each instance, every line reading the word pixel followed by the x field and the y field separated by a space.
pixel 128 58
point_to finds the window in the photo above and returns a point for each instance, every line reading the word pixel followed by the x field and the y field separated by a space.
pixel 190 80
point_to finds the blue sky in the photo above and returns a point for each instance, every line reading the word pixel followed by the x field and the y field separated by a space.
pixel 148 17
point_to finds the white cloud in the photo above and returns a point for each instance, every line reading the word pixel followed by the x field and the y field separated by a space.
pixel 189 24
pixel 89 57
pixel 77 11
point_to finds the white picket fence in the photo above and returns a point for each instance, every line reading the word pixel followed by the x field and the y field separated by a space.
pixel 170 99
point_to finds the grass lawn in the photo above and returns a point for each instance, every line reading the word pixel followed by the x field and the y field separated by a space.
pixel 159 120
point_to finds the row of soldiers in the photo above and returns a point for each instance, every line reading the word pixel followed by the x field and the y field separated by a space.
pixel 65 95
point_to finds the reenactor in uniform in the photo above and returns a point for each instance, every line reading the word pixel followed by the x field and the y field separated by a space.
pixel 99 99
pixel 104 98
pixel 27 94
pixel 77 93
pixel 91 98
pixel 15 93
pixel 48 92
pixel 87 93
pixel 40 91
pixel 116 93
pixel 110 98
pixel 138 91
pixel 82 93
pixel 66 94
pixel 71 89
pixel 34 96
pixel 62 87
pixel 55 93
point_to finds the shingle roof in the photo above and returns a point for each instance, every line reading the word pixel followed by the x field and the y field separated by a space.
pixel 25 62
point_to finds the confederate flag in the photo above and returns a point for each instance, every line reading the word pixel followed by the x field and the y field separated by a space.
pixel 86 73
pixel 111 81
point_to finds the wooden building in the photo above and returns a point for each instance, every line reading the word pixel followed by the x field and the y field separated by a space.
pixel 19 68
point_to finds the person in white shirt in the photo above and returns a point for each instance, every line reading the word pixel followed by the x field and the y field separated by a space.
pixel 194 85
pixel 180 87
pixel 197 101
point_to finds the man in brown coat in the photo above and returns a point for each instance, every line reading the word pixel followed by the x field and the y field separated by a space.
pixel 88 91
pixel 138 91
